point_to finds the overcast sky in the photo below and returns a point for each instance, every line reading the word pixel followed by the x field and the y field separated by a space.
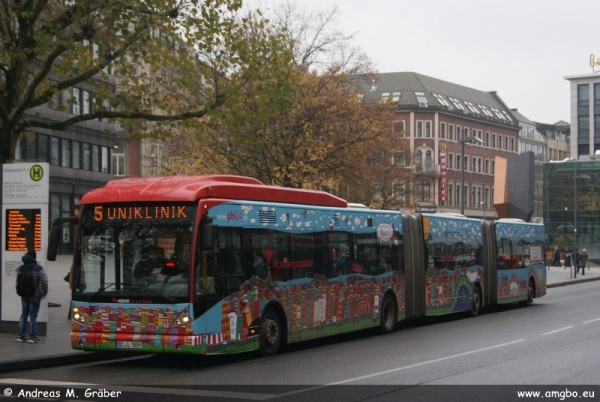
pixel 522 49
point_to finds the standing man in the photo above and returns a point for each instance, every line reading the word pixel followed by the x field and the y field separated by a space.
pixel 38 288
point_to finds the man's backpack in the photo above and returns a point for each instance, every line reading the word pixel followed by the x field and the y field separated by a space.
pixel 25 283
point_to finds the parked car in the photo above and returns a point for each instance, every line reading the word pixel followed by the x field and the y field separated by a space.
pixel 101 244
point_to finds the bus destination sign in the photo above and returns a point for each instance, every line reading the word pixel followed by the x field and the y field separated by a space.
pixel 145 212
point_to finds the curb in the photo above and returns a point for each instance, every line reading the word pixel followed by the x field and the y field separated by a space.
pixel 557 284
pixel 58 360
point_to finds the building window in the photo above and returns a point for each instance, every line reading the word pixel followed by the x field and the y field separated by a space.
pixel 597 126
pixel 450 132
pixel 87 156
pixel 423 191
pixel 458 133
pixel 512 144
pixel 66 152
pixel 506 143
pixel 487 139
pixel 43 147
pixel 583 126
pixel 96 158
pixel 54 151
pixel 450 190
pixel 419 129
pixel 399 126
pixel 76 146
pixel 583 95
pixel 398 158
pixel 75 105
pixel 466 163
pixel 105 160
pixel 487 166
pixel 450 161
pixel 443 130
pixel 493 140
pixel 499 141
pixel 118 161
pixel 428 129
pixel 399 191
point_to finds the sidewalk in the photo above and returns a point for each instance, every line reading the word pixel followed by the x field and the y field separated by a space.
pixel 56 349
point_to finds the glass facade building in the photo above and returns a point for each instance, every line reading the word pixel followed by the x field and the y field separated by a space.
pixel 572 197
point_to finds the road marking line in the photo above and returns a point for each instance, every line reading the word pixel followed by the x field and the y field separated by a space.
pixel 146 390
pixel 558 330
pixel 595 319
pixel 424 363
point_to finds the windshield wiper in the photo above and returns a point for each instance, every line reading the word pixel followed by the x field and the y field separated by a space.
pixel 136 288
pixel 100 290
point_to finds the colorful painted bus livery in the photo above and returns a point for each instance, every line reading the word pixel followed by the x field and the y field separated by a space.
pixel 225 264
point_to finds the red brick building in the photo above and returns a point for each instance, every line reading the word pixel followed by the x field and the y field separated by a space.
pixel 439 118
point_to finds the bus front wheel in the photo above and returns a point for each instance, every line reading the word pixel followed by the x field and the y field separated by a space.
pixel 475 301
pixel 389 316
pixel 270 332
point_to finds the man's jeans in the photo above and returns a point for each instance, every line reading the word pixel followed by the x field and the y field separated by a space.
pixel 30 307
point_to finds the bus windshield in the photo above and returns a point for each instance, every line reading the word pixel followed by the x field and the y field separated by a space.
pixel 134 251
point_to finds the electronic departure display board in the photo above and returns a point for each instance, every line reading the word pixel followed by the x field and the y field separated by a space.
pixel 23 229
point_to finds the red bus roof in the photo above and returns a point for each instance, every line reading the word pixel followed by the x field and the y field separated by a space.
pixel 192 188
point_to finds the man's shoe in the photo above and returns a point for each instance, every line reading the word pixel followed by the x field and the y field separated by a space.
pixel 22 339
pixel 35 339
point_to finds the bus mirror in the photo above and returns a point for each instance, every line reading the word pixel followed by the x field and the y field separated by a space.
pixel 53 242
pixel 56 235
pixel 209 236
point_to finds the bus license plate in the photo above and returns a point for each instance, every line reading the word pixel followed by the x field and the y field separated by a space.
pixel 129 345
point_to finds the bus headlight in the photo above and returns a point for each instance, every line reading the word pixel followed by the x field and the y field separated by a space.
pixel 79 316
pixel 182 319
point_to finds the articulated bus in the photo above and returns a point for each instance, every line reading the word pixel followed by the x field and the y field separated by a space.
pixel 226 264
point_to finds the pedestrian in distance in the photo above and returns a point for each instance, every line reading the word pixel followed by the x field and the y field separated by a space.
pixel 32 286
pixel 567 260
pixel 575 259
pixel 583 259
pixel 555 257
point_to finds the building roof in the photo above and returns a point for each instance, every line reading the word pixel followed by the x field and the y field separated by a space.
pixel 521 118
pixel 413 90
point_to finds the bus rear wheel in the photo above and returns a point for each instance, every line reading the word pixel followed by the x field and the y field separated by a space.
pixel 389 316
pixel 530 294
pixel 475 301
pixel 270 332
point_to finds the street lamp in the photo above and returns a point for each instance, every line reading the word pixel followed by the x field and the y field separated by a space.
pixel 462 169
pixel 575 177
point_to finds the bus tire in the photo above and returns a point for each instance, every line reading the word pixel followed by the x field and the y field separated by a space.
pixel 389 314
pixel 530 294
pixel 270 332
pixel 475 301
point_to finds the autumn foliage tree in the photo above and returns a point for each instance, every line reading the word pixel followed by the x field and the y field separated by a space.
pixel 305 135
pixel 174 61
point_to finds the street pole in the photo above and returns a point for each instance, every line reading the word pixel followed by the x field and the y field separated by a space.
pixel 462 169
pixel 575 226
pixel 462 176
